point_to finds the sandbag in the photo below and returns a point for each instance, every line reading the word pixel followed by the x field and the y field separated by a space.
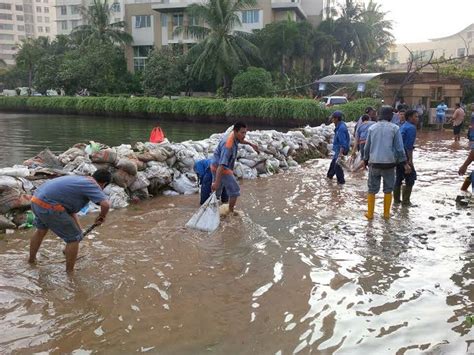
pixel 70 155
pixel 207 217
pixel 141 182
pixel 122 178
pixel 118 198
pixel 5 223
pixel 184 185
pixel 16 171
pixel 127 165
pixel 45 159
pixel 13 199
pixel 104 156
pixel 9 182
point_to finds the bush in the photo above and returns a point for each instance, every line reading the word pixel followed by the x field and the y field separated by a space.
pixel 254 82
pixel 279 111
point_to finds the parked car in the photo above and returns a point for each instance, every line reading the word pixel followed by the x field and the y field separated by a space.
pixel 333 100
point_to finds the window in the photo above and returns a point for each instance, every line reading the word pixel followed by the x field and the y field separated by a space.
pixel 21 28
pixel 251 16
pixel 139 64
pixel 164 20
pixel 461 52
pixel 46 19
pixel 192 21
pixel 177 20
pixel 28 8
pixel 29 18
pixel 75 9
pixel 63 25
pixel 142 51
pixel 46 29
pixel 40 28
pixel 19 7
pixel 5 17
pixel 6 26
pixel 74 23
pixel 46 10
pixel 39 19
pixel 20 18
pixel 115 7
pixel 142 21
pixel 7 37
pixel 436 93
pixel 4 6
pixel 38 8
pixel 63 10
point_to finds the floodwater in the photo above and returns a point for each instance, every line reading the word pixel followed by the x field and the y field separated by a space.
pixel 22 136
pixel 300 271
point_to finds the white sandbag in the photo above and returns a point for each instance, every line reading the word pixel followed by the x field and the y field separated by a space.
pixel 117 196
pixel 207 217
pixel 124 150
pixel 9 181
pixel 140 183
pixel 16 171
pixel 170 193
pixel 184 185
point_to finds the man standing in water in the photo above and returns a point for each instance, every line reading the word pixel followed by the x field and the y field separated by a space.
pixel 55 205
pixel 457 120
pixel 408 132
pixel 470 158
pixel 441 114
pixel 340 147
pixel 223 161
pixel 382 152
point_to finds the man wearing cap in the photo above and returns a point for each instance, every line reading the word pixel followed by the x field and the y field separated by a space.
pixel 382 152
pixel 55 205
pixel 223 161
pixel 340 146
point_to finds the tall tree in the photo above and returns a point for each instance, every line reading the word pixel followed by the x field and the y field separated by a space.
pixel 98 27
pixel 222 49
pixel 30 51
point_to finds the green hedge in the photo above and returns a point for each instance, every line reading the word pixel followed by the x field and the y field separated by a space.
pixel 278 111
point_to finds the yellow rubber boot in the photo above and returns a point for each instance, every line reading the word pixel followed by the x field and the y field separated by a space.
pixel 370 206
pixel 387 203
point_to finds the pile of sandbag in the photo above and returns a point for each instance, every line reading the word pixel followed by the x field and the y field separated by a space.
pixel 149 169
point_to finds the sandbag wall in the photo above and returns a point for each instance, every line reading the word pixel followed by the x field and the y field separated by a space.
pixel 149 169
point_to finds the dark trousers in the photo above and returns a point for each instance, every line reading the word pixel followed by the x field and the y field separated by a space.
pixel 335 169
pixel 206 183
pixel 400 176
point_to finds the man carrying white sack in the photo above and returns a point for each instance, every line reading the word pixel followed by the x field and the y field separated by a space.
pixel 223 161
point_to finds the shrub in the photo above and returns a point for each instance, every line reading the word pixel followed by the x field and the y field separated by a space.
pixel 254 82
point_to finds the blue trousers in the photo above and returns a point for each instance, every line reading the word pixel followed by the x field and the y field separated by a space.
pixel 206 183
pixel 335 169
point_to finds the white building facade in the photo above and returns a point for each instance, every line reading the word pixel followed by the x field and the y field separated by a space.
pixel 20 19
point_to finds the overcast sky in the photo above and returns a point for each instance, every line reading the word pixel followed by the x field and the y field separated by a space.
pixel 420 20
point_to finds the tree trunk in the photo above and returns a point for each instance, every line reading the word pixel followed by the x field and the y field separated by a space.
pixel 226 85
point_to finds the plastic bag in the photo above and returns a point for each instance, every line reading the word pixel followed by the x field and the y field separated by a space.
pixel 207 217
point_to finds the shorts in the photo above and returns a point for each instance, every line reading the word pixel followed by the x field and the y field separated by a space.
pixel 457 129
pixel 229 182
pixel 375 175
pixel 400 175
pixel 440 118
pixel 61 223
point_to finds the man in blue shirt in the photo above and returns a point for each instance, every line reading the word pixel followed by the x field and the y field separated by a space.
pixel 441 114
pixel 55 205
pixel 203 170
pixel 340 146
pixel 223 161
pixel 408 132
pixel 382 152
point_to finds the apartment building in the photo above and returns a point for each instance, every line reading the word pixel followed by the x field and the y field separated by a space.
pixel 457 45
pixel 20 19
pixel 152 23
pixel 69 14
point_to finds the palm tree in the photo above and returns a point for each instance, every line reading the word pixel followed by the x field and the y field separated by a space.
pixel 30 51
pixel 98 27
pixel 222 50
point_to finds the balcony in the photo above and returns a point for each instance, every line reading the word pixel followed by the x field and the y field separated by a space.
pixel 289 5
pixel 172 5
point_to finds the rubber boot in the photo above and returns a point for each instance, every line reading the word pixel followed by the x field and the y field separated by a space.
pixel 396 194
pixel 387 203
pixel 406 193
pixel 370 206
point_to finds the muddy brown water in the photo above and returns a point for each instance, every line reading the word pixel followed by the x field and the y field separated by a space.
pixel 301 271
